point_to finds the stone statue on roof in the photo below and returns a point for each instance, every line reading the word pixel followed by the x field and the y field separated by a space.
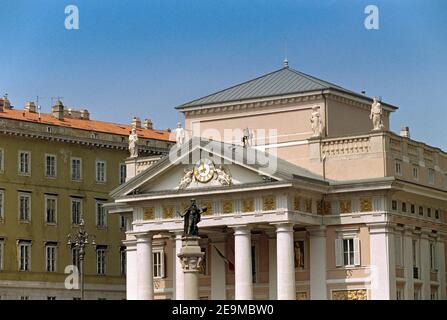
pixel 133 139
pixel 180 134
pixel 376 114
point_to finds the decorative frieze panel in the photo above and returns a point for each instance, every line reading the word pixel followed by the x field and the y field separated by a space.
pixel 308 205
pixel 248 205
pixel 359 294
pixel 227 206
pixel 268 203
pixel 366 205
pixel 168 212
pixel 341 147
pixel 296 204
pixel 345 206
pixel 148 213
pixel 209 208
pixel 323 208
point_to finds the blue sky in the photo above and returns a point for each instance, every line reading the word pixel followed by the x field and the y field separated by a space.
pixel 146 57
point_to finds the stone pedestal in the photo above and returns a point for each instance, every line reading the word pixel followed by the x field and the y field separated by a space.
pixel 191 256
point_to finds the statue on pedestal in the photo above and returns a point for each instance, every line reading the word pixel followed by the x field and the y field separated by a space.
pixel 192 218
pixel 133 139
pixel 180 134
pixel 376 115
pixel 316 122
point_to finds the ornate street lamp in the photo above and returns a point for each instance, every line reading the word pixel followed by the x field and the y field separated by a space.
pixel 79 241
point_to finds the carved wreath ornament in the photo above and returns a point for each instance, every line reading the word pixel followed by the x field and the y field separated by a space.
pixel 204 171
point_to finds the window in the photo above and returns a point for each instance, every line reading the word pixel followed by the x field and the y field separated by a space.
pixel 50 209
pixel 2 251
pixel 123 261
pixel 429 212
pixel 123 173
pixel 24 298
pixel 24 163
pixel 101 260
pixel 413 209
pixel 421 210
pixel 398 167
pixel 76 211
pixel 51 298
pixel 433 257
pixel 254 266
pixel 100 171
pixel 158 264
pixel 51 256
pixel 415 254
pixel 100 215
pixel 123 223
pixel 431 175
pixel 2 160
pixel 2 205
pixel 24 207
pixel 75 257
pixel 25 255
pixel 404 207
pixel 415 172
pixel 436 213
pixel 347 252
pixel 398 249
pixel 394 205
pixel 399 294
pixel 76 169
pixel 50 166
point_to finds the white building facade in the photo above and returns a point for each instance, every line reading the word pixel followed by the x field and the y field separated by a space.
pixel 329 204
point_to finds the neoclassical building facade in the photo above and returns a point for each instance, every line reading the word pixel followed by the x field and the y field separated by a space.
pixel 309 195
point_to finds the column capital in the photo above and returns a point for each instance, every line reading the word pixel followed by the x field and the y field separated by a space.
pixel 380 227
pixel 177 233
pixel 241 229
pixel 426 233
pixel 283 226
pixel 129 244
pixel 143 237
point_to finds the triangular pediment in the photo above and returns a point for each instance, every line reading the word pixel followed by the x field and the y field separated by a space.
pixel 202 163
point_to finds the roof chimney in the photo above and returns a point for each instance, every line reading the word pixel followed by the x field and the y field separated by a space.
pixel 405 132
pixel 85 115
pixel 148 124
pixel 136 122
pixel 58 110
pixel 30 107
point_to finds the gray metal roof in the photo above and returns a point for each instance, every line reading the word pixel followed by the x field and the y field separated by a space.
pixel 280 82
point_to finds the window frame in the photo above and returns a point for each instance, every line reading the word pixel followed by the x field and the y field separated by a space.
pixel 2 160
pixel 415 169
pixel 2 205
pixel 100 203
pixel 161 264
pixel 346 235
pixel 54 198
pixel 2 253
pixel 47 265
pixel 28 165
pixel 398 167
pixel 72 168
pixel 26 195
pixel 122 179
pixel 123 261
pixel 80 201
pixel 24 244
pixel 101 271
pixel 431 175
pixel 433 256
pixel 47 156
pixel 97 171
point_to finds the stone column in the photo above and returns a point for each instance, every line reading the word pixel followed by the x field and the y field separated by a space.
pixel 242 256
pixel 408 263
pixel 191 256
pixel 218 281
pixel 179 279
pixel 285 262
pixel 441 268
pixel 131 270
pixel 382 256
pixel 425 265
pixel 273 287
pixel 145 267
pixel 318 265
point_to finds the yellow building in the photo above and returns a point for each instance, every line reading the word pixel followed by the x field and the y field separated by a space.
pixel 56 169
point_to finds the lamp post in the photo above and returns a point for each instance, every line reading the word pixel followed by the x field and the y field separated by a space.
pixel 79 241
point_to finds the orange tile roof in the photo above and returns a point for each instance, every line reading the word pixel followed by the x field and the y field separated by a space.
pixel 90 125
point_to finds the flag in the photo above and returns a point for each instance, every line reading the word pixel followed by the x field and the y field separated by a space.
pixel 227 261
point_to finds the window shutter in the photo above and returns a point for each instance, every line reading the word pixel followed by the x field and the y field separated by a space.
pixel 164 265
pixel 338 252
pixel 357 251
